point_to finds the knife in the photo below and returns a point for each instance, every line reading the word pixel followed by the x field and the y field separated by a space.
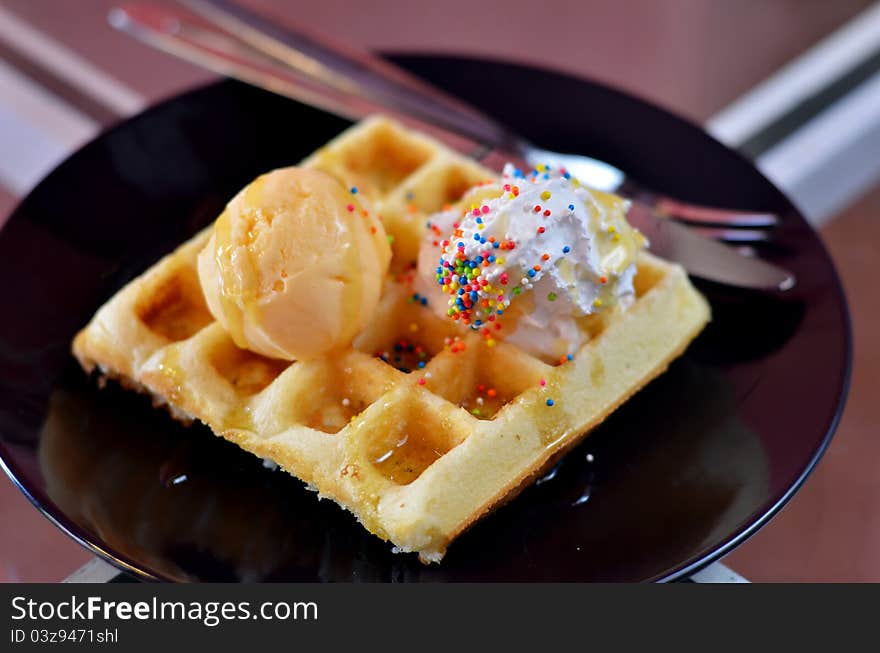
pixel 224 53
pixel 704 258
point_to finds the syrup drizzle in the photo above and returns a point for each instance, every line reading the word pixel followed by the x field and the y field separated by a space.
pixel 584 485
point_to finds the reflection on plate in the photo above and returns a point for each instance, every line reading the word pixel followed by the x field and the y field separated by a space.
pixel 192 506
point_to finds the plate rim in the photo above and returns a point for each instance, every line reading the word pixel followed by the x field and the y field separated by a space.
pixel 768 511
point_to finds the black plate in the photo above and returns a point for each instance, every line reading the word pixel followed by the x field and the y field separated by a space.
pixel 686 470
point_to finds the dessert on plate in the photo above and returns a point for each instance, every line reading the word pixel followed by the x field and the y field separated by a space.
pixel 409 333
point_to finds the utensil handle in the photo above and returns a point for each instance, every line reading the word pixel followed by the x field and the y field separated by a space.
pixel 353 71
pixel 225 55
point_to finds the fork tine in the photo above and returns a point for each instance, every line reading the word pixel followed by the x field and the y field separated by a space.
pixel 733 235
pixel 710 216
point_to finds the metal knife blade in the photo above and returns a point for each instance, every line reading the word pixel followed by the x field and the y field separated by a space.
pixel 706 258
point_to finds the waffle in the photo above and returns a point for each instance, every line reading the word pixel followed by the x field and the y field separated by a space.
pixel 418 428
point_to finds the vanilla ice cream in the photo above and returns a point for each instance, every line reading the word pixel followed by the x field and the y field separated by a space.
pixel 529 260
pixel 295 266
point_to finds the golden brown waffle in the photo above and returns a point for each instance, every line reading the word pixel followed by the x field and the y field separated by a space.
pixel 418 447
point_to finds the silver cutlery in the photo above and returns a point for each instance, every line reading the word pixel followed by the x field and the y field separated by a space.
pixel 235 42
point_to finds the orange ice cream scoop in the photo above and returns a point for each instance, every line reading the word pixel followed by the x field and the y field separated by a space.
pixel 295 266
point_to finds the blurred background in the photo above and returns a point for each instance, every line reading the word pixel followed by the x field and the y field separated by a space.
pixel 65 75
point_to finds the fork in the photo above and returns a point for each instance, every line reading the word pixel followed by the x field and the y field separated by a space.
pixel 350 71
pixel 354 83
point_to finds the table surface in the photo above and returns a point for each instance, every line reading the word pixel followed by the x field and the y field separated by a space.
pixel 692 56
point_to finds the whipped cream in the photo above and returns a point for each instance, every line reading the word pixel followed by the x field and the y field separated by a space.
pixel 530 259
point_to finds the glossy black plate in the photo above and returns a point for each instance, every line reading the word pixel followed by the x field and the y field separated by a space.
pixel 682 473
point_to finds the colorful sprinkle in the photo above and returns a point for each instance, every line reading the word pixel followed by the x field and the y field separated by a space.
pixel 471 274
pixel 550 402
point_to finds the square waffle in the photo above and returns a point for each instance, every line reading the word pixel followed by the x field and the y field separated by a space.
pixel 419 428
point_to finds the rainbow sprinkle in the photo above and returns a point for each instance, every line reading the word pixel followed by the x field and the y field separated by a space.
pixel 405 355
pixel 472 270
